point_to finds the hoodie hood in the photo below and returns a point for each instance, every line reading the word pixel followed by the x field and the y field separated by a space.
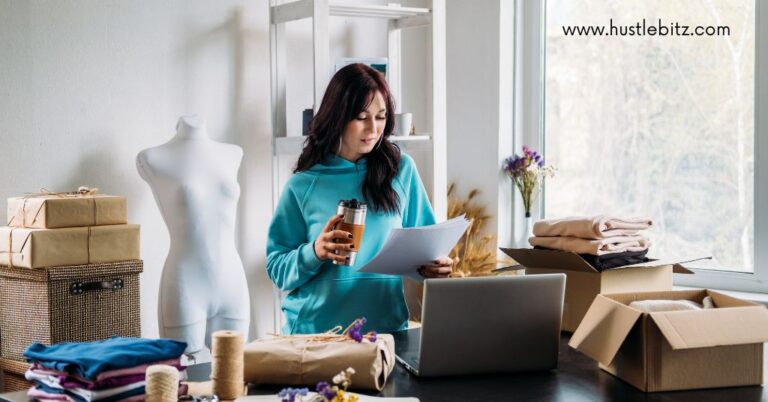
pixel 334 164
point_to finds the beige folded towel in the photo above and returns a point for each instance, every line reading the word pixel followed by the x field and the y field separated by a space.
pixel 591 227
pixel 618 244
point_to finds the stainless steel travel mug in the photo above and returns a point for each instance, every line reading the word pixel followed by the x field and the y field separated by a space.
pixel 354 213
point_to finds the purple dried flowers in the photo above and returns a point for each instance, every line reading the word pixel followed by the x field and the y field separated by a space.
pixel 338 391
pixel 354 331
pixel 326 390
pixel 290 394
pixel 527 171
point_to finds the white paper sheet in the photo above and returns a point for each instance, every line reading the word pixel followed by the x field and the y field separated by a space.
pixel 408 249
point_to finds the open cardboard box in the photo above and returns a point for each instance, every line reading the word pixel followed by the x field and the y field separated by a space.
pixel 584 282
pixel 676 350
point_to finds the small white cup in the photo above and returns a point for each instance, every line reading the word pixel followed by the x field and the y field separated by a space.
pixel 403 124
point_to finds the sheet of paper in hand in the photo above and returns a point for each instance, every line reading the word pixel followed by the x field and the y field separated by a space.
pixel 409 248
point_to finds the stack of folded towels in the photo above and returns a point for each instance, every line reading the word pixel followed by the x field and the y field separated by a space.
pixel 111 370
pixel 603 241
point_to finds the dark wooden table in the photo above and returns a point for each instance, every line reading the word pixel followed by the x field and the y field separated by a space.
pixel 577 379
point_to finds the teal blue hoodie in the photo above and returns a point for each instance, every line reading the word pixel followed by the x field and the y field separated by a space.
pixel 323 295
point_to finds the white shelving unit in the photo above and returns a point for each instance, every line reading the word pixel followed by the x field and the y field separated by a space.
pixel 287 147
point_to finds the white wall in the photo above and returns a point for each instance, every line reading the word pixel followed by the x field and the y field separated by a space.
pixel 85 85
pixel 479 73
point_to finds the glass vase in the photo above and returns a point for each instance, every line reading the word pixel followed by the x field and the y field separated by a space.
pixel 526 233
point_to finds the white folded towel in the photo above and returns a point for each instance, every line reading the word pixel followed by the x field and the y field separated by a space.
pixel 650 306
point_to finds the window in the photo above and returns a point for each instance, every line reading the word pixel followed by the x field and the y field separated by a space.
pixel 652 108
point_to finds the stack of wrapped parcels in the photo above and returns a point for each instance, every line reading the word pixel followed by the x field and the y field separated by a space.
pixel 53 229
pixel 111 370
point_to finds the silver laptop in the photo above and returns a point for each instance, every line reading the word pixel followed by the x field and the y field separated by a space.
pixel 485 325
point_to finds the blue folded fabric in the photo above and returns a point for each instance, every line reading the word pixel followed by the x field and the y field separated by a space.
pixel 79 398
pixel 89 359
pixel 48 389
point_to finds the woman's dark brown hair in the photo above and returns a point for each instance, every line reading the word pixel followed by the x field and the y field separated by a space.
pixel 349 93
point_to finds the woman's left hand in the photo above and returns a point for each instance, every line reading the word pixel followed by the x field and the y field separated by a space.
pixel 439 268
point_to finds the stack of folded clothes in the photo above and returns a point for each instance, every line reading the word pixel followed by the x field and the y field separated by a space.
pixel 603 241
pixel 111 370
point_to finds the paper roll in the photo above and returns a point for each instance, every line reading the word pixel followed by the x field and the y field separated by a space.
pixel 162 383
pixel 227 364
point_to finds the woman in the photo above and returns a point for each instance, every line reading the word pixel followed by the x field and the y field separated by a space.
pixel 346 155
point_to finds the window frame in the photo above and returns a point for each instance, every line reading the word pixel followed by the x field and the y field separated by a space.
pixel 529 129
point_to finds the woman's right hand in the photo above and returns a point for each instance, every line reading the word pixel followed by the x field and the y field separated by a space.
pixel 325 246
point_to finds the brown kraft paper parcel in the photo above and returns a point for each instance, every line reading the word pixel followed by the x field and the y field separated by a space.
pixel 63 210
pixel 37 248
pixel 300 360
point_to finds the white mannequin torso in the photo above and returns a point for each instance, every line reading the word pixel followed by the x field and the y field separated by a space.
pixel 203 286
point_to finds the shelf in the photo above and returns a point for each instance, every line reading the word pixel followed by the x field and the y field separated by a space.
pixel 372 11
pixel 297 10
pixel 293 145
pixel 410 138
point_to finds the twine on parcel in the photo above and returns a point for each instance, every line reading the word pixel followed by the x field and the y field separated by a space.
pixel 10 252
pixel 335 334
pixel 81 192
pixel 227 364
pixel 162 383
pixel 10 248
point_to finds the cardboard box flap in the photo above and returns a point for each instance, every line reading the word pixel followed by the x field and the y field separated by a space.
pixel 723 300
pixel 554 259
pixel 603 329
pixel 713 327
pixel 679 269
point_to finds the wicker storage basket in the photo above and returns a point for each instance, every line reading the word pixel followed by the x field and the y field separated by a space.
pixel 12 374
pixel 70 303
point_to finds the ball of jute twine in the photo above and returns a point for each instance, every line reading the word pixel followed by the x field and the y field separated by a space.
pixel 227 364
pixel 162 383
